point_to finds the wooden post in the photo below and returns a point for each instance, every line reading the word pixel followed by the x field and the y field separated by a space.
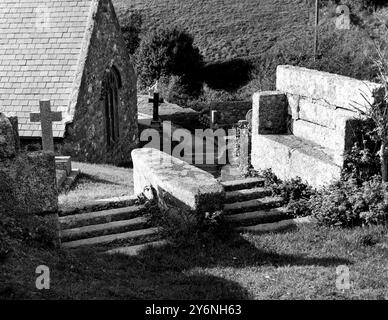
pixel 316 29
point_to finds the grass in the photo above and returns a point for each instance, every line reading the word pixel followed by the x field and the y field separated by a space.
pixel 293 265
pixel 265 33
pixel 225 29
pixel 97 181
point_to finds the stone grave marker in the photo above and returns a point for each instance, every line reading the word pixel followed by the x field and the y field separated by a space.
pixel 156 101
pixel 46 117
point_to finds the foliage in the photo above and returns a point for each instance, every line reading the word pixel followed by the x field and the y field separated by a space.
pixel 29 229
pixel 131 27
pixel 168 52
pixel 360 164
pixel 228 75
pixel 347 204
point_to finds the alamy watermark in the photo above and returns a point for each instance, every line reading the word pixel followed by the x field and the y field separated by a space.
pixel 43 280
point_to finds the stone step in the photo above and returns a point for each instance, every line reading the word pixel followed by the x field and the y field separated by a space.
pixel 100 205
pixel 132 236
pixel 247 183
pixel 135 250
pixel 95 230
pixel 257 217
pixel 97 217
pixel 253 205
pixel 279 226
pixel 247 194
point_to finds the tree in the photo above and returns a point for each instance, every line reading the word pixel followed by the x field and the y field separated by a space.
pixel 168 52
pixel 378 111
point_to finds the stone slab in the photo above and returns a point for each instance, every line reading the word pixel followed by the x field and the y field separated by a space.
pixel 320 113
pixel 97 217
pixel 63 163
pixel 277 226
pixel 94 230
pixel 289 157
pixel 334 89
pixel 135 250
pixel 101 240
pixel 269 112
pixel 178 185
pixel 323 136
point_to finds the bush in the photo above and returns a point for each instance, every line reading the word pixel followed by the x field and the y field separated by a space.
pixel 360 164
pixel 168 52
pixel 347 204
pixel 228 75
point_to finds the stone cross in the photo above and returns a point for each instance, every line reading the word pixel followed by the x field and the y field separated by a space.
pixel 156 100
pixel 46 119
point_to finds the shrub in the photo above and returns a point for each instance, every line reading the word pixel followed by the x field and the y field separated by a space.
pixel 228 75
pixel 360 164
pixel 347 204
pixel 168 52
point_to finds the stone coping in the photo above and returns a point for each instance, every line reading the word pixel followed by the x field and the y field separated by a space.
pixel 334 89
pixel 192 187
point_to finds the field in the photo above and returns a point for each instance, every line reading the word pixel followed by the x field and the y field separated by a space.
pixel 225 29
pixel 263 33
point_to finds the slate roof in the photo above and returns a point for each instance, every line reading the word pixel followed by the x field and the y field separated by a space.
pixel 41 45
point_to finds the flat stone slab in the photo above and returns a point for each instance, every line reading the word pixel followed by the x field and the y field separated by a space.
pixel 135 250
pixel 256 217
pixel 102 204
pixel 332 88
pixel 289 156
pixel 103 228
pixel 131 235
pixel 277 226
pixel 82 219
pixel 253 205
pixel 247 194
pixel 239 184
pixel 176 182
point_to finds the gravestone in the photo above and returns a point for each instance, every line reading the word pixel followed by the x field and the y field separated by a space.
pixel 27 180
pixel 156 101
pixel 46 117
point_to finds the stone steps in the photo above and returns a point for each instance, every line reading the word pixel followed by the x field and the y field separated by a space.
pixel 110 228
pixel 257 217
pixel 249 207
pixel 135 250
pixel 84 219
pixel 278 226
pixel 247 183
pixel 253 205
pixel 134 237
pixel 246 194
pixel 95 230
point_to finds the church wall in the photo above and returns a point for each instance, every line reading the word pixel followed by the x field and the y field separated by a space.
pixel 85 138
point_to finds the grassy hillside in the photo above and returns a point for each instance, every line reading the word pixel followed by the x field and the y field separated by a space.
pixel 225 29
pixel 264 33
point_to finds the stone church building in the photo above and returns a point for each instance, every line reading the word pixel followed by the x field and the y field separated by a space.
pixel 72 53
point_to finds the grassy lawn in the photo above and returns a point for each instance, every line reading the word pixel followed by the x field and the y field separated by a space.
pixel 97 182
pixel 295 265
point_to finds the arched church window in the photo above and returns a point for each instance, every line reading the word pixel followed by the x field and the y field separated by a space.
pixel 112 85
